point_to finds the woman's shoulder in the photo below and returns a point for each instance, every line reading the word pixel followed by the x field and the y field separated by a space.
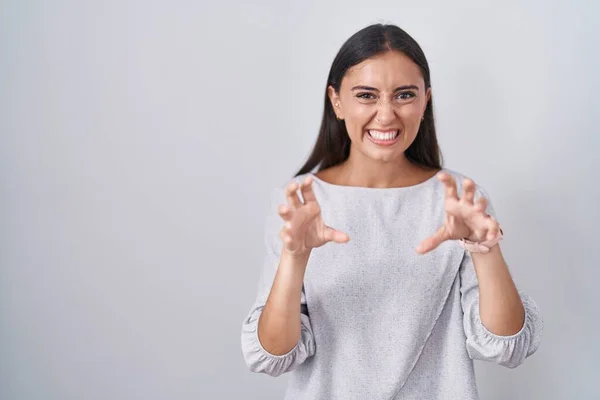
pixel 459 178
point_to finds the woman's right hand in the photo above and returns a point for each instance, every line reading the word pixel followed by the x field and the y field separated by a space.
pixel 304 228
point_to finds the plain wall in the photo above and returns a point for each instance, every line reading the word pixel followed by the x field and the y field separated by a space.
pixel 139 141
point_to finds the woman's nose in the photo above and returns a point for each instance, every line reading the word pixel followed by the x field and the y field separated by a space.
pixel 385 113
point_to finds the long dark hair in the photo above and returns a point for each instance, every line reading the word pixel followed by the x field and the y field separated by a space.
pixel 332 146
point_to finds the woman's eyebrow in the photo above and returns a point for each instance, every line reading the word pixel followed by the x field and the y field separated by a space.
pixel 405 87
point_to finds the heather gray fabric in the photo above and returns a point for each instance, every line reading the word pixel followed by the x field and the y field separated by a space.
pixel 380 321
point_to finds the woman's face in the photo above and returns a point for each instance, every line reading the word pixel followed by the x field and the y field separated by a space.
pixel 382 101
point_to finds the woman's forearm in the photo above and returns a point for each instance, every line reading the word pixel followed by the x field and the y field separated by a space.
pixel 500 306
pixel 279 323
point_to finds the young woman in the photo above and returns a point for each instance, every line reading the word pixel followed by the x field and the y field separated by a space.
pixel 384 278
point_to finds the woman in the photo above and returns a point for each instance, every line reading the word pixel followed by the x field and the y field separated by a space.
pixel 413 285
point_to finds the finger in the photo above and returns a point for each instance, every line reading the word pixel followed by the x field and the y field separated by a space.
pixel 481 234
pixel 285 237
pixel 292 195
pixel 432 242
pixel 481 204
pixel 333 235
pixel 494 228
pixel 285 212
pixel 306 189
pixel 468 191
pixel 454 207
pixel 449 184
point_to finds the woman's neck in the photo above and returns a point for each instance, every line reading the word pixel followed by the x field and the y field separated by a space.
pixel 377 174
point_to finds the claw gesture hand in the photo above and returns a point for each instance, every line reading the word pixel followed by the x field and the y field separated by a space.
pixel 465 219
pixel 304 228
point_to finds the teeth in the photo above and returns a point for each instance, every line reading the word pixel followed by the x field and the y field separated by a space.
pixel 383 135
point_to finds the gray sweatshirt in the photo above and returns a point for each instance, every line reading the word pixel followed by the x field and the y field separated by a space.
pixel 380 321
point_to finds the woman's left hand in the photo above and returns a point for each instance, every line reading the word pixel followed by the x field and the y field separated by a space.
pixel 465 219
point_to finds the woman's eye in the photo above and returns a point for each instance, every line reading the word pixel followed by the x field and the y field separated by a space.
pixel 368 96
pixel 406 95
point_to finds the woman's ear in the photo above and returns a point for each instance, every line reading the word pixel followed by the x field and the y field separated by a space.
pixel 334 97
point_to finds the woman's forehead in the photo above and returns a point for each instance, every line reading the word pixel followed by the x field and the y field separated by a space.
pixel 388 70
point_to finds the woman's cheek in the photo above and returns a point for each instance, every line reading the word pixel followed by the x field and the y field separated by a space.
pixel 410 114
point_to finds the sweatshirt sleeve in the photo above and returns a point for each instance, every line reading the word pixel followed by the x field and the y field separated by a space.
pixel 508 351
pixel 256 357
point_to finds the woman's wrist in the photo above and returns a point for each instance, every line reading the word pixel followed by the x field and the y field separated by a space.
pixel 483 246
pixel 295 257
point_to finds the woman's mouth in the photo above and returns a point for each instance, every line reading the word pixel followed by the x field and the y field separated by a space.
pixel 383 138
